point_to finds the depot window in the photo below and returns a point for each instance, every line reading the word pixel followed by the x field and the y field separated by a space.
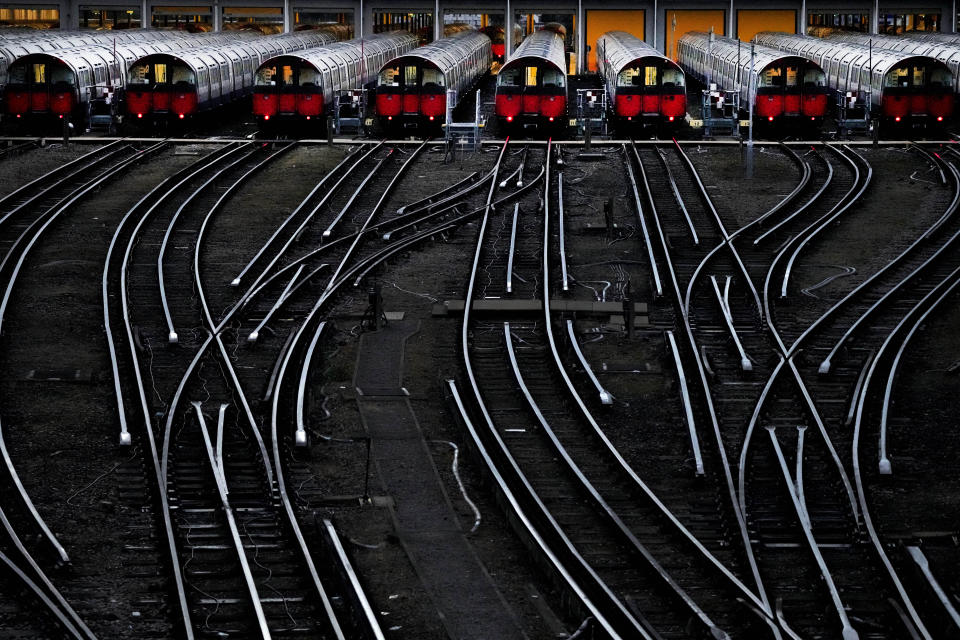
pixel 896 23
pixel 41 17
pixel 268 20
pixel 110 17
pixel 819 23
pixel 308 17
pixel 186 18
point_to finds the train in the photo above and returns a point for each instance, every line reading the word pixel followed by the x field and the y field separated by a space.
pixel 412 88
pixel 643 86
pixel 45 84
pixel 788 89
pixel 178 85
pixel 296 88
pixel 532 84
pixel 904 89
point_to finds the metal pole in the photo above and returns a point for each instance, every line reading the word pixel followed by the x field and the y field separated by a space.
pixel 508 33
pixel 655 25
pixel 145 17
pixel 437 21
pixel 360 34
pixel 802 22
pixel 287 17
pixel 751 93
pixel 730 32
pixel 580 49
pixel 874 22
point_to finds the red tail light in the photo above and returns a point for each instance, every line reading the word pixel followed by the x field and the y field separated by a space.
pixel 266 117
pixel 61 116
pixel 308 117
pixel 939 118
pixel 670 118
pixel 181 116
pixel 897 119
pixel 770 118
pixel 431 118
pixel 139 115
pixel 509 118
pixel 551 118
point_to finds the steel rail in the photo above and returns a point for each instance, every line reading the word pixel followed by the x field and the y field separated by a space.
pixel 805 174
pixel 353 198
pixel 513 245
pixel 369 616
pixel 929 156
pixel 848 200
pixel 600 502
pixel 676 194
pixel 456 186
pixel 53 185
pixel 606 398
pixel 300 438
pixel 517 508
pixel 848 633
pixel 806 205
pixel 687 405
pixel 916 554
pixel 163 186
pixel 55 174
pixel 255 334
pixel 172 336
pixel 759 598
pixel 560 224
pixel 295 236
pixel 18 148
pixel 951 208
pixel 33 587
pixel 658 286
pixel 727 238
pixel 723 299
pixel 293 214
pixel 61 207
pixel 217 468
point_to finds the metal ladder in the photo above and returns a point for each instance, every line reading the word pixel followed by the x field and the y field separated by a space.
pixel 592 111
pixel 463 134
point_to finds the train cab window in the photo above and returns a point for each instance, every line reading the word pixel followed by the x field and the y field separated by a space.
pixel 812 76
pixel 672 76
pixel 160 73
pixel 531 79
pixel 432 76
pixel 410 76
pixel 266 76
pixel 509 78
pixel 61 74
pixel 309 77
pixel 184 74
pixel 628 77
pixel 771 77
pixel 390 77
pixel 941 78
pixel 553 78
pixel 39 73
pixel 286 75
pixel 898 77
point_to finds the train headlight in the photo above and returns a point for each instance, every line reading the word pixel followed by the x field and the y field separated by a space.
pixel 670 119
pixel 897 119
pixel 431 118
pixel 770 118
pixel 61 116
pixel 389 117
pixel 509 118
pixel 139 115
pixel 939 118
pixel 266 117
pixel 181 116
pixel 551 118
pixel 308 117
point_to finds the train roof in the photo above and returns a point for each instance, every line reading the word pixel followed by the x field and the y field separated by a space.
pixel 317 56
pixel 446 52
pixel 543 45
pixel 945 51
pixel 261 47
pixel 621 49
pixel 739 53
pixel 880 60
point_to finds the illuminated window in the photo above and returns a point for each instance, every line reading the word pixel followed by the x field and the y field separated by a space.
pixel 650 76
pixel 410 76
pixel 390 77
pixel 531 77
pixel 160 73
pixel 286 75
pixel 40 73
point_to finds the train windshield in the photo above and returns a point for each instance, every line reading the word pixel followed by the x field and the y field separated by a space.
pixel 553 78
pixel 182 74
pixel 309 77
pixel 813 76
pixel 509 77
pixel 911 75
pixel 147 73
pixel 432 76
pixel 673 76
pixel 390 77
pixel 650 77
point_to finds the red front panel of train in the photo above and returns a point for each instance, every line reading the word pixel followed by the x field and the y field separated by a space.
pixel 18 101
pixel 651 103
pixel 411 103
pixel 310 104
pixel 288 103
pixel 941 105
pixel 815 105
pixel 895 106
pixel 791 103
pixel 161 101
pixel 531 104
pixel 497 50
pixel 508 106
pixel 918 104
pixel 769 105
pixel 628 106
pixel 39 101
pixel 389 104
pixel 674 105
pixel 138 102
pixel 184 103
pixel 433 104
pixel 553 106
pixel 265 104
pixel 61 102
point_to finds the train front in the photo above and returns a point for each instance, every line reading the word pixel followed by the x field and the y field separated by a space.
pixel 532 85
pixel 288 90
pixel 917 92
pixel 42 88
pixel 791 89
pixel 650 90
pixel 160 88
pixel 411 92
